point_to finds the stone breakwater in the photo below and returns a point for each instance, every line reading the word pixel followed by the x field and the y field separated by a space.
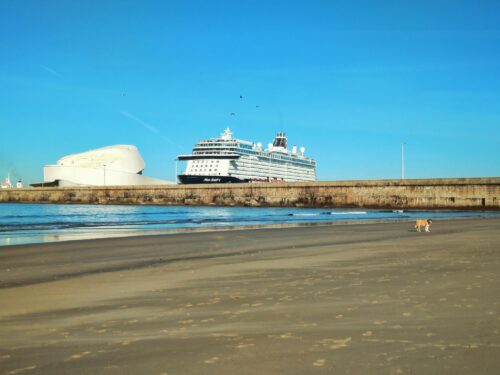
pixel 462 193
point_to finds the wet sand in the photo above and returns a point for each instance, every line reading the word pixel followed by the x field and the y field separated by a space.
pixel 341 299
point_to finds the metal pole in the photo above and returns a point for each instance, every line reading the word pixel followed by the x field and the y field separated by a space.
pixel 402 160
pixel 176 161
pixel 104 169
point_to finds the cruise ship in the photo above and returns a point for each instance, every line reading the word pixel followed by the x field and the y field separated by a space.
pixel 226 159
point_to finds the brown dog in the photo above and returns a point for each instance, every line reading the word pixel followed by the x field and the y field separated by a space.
pixel 423 223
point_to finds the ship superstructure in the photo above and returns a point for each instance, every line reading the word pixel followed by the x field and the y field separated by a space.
pixel 226 159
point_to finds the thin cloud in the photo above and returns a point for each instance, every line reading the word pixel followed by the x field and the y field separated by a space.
pixel 51 71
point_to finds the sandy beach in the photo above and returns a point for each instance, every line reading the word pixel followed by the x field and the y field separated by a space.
pixel 338 299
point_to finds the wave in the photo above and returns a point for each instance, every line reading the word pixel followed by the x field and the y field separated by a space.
pixel 330 213
pixel 94 214
pixel 344 213
pixel 60 225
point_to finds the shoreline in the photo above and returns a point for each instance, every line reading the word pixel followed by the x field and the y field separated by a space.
pixel 70 237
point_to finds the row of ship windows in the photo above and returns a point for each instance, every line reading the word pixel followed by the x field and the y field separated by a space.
pixel 205 161
pixel 290 173
pixel 212 174
pixel 265 173
pixel 278 167
pixel 305 161
pixel 259 164
pixel 230 147
pixel 272 172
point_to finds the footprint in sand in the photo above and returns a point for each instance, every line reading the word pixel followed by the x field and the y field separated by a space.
pixel 19 370
pixel 243 345
pixel 341 343
pixel 189 321
pixel 212 360
pixel 336 343
pixel 210 320
pixel 212 301
pixel 80 355
pixel 319 363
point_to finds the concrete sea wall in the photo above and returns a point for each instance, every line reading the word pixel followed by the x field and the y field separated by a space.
pixel 457 193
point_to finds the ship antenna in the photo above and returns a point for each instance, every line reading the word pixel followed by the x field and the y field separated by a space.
pixel 227 134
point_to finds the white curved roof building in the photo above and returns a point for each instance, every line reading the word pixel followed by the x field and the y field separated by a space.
pixel 106 166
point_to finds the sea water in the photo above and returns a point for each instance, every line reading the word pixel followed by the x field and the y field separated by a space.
pixel 34 223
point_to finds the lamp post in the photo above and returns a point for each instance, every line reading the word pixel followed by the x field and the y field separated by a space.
pixel 403 160
pixel 176 178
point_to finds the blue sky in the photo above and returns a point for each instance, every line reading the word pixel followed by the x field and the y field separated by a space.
pixel 349 80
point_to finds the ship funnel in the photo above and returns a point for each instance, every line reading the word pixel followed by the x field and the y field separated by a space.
pixel 280 140
pixel 302 150
pixel 294 149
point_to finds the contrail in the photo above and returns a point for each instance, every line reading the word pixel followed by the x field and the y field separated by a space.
pixel 150 127
pixel 51 71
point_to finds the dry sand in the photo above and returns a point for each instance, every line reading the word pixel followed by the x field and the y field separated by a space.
pixel 344 299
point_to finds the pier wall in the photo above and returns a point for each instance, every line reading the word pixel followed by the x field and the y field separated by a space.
pixel 458 193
